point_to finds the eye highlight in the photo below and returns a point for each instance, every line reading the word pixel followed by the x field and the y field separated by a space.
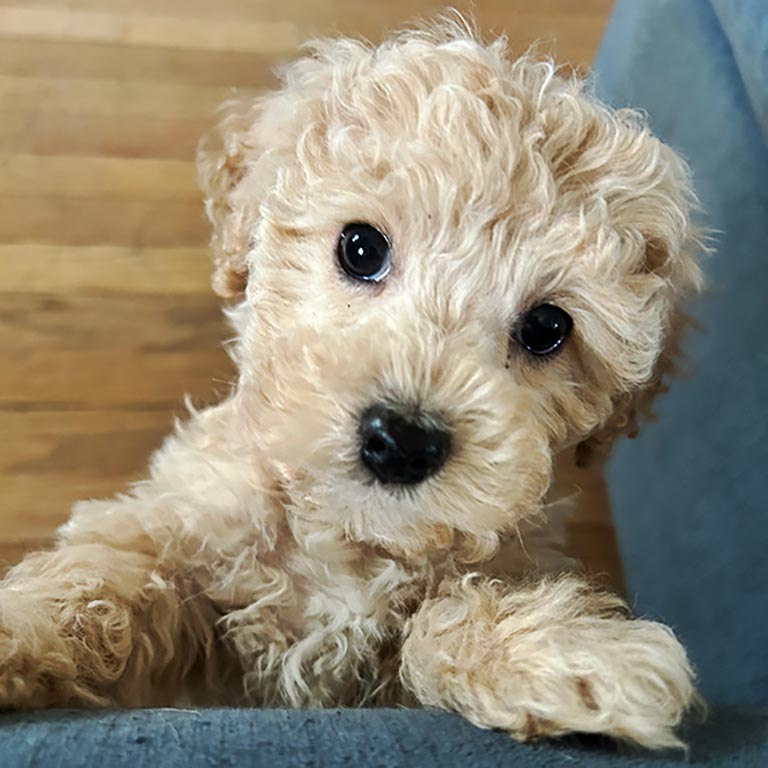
pixel 364 252
pixel 543 329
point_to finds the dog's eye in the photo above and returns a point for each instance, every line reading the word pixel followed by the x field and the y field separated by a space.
pixel 543 329
pixel 364 253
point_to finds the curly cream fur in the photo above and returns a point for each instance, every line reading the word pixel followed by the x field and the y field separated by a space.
pixel 257 564
pixel 547 659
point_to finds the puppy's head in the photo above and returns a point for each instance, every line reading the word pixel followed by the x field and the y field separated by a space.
pixel 448 266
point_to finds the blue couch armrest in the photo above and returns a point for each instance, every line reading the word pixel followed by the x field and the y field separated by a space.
pixel 374 738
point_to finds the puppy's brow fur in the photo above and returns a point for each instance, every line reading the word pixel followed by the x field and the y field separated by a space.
pixel 258 564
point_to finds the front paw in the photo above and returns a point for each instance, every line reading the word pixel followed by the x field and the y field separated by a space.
pixel 548 660
pixel 35 668
pixel 628 679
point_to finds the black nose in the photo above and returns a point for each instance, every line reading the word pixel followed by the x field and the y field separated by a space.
pixel 401 449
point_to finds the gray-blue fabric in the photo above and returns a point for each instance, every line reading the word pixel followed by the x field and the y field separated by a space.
pixel 353 738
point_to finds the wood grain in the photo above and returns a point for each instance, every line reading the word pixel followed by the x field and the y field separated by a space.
pixel 35 220
pixel 68 269
pixel 113 178
pixel 113 26
pixel 106 317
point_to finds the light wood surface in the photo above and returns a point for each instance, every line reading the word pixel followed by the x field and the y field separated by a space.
pixel 106 315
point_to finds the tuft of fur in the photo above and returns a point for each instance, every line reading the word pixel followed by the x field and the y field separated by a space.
pixel 258 564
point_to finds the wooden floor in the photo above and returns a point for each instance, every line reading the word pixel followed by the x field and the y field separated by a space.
pixel 106 316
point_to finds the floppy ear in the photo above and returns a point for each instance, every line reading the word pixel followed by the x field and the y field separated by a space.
pixel 227 162
pixel 239 165
pixel 631 408
pixel 669 262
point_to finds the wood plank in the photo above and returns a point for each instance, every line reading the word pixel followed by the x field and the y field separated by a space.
pixel 106 117
pixel 585 487
pixel 596 547
pixel 43 132
pixel 112 177
pixel 229 68
pixel 591 538
pixel 12 552
pixel 119 453
pixel 55 459
pixel 56 59
pixel 217 34
pixel 44 422
pixel 105 97
pixel 110 350
pixel 103 269
pixel 195 9
pixel 96 221
pixel 557 12
pixel 59 377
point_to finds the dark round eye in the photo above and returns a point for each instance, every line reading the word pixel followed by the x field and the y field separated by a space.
pixel 364 253
pixel 543 329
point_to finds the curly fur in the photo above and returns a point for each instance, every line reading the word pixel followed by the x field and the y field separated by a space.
pixel 257 564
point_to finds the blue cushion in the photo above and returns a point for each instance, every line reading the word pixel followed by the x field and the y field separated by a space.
pixel 689 494
pixel 745 25
pixel 374 738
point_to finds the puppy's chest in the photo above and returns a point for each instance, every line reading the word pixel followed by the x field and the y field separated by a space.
pixel 314 632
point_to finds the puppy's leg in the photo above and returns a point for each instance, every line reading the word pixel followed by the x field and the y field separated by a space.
pixel 89 624
pixel 549 659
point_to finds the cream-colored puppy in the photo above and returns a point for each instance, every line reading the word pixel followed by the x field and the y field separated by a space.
pixel 445 267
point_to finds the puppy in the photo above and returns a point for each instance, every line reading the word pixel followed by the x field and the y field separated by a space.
pixel 445 268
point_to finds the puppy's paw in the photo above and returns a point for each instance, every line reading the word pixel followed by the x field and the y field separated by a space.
pixel 35 668
pixel 627 679
pixel 552 659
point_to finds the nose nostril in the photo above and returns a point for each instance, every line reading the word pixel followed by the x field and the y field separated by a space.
pixel 375 445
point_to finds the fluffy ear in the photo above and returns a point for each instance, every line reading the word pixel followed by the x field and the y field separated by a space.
pixel 630 408
pixel 223 161
pixel 668 268
pixel 239 165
